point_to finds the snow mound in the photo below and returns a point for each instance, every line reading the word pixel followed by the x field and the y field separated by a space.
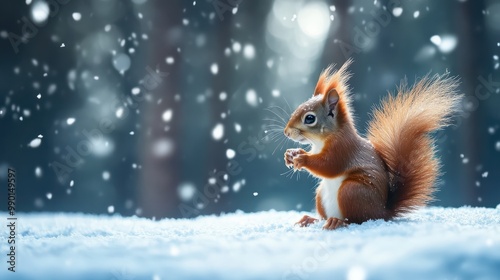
pixel 432 243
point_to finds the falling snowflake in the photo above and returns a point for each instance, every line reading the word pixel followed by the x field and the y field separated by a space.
pixel 251 98
pixel 218 132
pixel 230 153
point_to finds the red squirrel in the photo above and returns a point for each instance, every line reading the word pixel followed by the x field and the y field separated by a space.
pixel 391 171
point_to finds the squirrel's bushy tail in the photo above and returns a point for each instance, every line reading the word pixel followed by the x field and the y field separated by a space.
pixel 400 131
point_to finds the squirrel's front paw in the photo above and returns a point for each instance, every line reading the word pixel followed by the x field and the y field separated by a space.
pixel 288 159
pixel 299 161
pixel 290 154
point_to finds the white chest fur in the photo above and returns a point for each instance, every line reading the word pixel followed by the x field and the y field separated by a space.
pixel 329 189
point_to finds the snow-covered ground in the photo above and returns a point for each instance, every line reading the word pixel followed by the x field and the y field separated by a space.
pixel 432 243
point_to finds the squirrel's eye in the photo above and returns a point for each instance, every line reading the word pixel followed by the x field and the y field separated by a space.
pixel 310 119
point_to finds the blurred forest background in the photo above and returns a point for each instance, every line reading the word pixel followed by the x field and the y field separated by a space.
pixel 159 108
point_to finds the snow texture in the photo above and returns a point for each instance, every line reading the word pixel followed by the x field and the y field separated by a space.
pixel 432 243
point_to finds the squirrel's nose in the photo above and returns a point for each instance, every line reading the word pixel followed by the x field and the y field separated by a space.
pixel 286 132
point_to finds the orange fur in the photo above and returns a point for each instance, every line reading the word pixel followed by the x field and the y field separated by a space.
pixel 330 79
pixel 400 131
pixel 391 172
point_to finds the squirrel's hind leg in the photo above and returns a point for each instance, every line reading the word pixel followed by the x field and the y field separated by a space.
pixel 306 221
pixel 360 203
pixel 334 223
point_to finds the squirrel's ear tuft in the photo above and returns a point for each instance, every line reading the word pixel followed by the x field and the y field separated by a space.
pixel 330 79
pixel 331 99
pixel 334 91
pixel 324 77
